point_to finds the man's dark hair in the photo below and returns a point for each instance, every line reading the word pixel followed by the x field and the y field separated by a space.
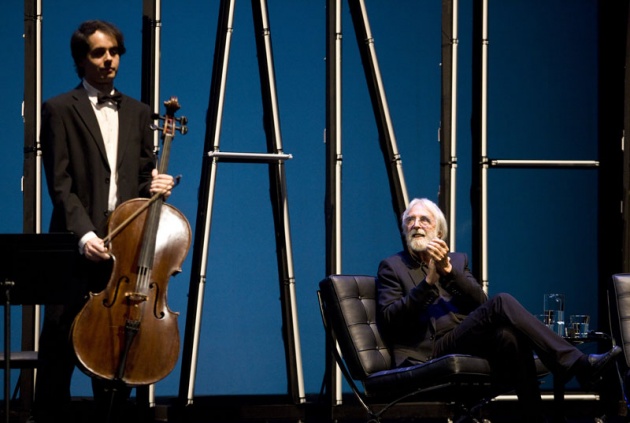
pixel 80 47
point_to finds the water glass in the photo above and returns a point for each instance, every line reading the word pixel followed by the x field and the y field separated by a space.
pixel 579 325
pixel 553 312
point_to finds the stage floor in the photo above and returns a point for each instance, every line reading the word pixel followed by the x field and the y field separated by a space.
pixel 280 409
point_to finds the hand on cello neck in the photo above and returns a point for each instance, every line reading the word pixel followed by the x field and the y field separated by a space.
pixel 162 184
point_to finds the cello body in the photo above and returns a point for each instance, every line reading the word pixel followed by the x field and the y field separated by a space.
pixel 99 333
pixel 127 333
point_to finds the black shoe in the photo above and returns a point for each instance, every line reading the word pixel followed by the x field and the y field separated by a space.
pixel 596 364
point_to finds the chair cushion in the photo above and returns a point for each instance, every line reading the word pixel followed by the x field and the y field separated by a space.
pixel 449 369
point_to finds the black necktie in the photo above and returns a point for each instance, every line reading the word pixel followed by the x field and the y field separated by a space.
pixel 115 98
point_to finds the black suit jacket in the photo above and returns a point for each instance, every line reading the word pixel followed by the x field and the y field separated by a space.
pixel 404 301
pixel 75 160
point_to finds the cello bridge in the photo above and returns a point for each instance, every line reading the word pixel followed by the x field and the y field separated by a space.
pixel 135 297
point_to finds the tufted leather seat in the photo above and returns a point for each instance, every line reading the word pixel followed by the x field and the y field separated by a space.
pixel 348 306
pixel 619 306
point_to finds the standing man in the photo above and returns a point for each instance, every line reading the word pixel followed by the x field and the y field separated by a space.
pixel 430 305
pixel 98 152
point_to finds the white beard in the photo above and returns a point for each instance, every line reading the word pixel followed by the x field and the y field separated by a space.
pixel 419 244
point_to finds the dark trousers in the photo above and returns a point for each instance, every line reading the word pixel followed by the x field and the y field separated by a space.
pixel 54 376
pixel 507 335
pixel 56 365
pixel 57 360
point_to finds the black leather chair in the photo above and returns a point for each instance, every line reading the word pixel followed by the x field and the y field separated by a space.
pixel 462 382
pixel 619 308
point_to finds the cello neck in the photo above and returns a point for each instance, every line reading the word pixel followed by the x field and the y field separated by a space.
pixel 169 127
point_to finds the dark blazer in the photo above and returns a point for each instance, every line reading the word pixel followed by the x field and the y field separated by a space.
pixel 405 299
pixel 75 160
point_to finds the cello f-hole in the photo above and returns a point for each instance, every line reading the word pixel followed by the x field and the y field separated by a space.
pixel 123 279
pixel 156 312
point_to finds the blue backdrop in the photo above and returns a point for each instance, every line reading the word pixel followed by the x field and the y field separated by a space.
pixel 542 105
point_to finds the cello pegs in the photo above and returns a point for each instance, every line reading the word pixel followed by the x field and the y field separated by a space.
pixel 183 130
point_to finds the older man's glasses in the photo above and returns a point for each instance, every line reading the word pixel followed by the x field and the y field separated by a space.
pixel 420 220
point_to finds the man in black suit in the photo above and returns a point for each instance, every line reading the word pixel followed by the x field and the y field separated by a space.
pixel 98 152
pixel 430 305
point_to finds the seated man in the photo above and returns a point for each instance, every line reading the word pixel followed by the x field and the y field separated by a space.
pixel 430 305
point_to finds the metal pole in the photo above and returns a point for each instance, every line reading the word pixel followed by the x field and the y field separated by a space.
pixel 625 199
pixel 542 163
pixel 7 285
pixel 204 208
pixel 448 129
pixel 387 137
pixel 484 145
pixel 278 192
pixel 151 45
pixel 453 139
pixel 31 111
pixel 249 157
pixel 32 175
pixel 334 162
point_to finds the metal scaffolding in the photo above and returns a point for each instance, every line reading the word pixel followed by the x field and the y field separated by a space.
pixel 275 158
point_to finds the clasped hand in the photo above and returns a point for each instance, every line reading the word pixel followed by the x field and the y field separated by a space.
pixel 439 262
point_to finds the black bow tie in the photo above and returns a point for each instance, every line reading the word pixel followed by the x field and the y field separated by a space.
pixel 115 98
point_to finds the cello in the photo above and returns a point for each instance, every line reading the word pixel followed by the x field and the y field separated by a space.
pixel 127 333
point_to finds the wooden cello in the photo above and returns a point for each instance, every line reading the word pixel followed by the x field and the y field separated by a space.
pixel 126 332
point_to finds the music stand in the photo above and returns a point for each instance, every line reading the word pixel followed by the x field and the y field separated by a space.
pixel 30 267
